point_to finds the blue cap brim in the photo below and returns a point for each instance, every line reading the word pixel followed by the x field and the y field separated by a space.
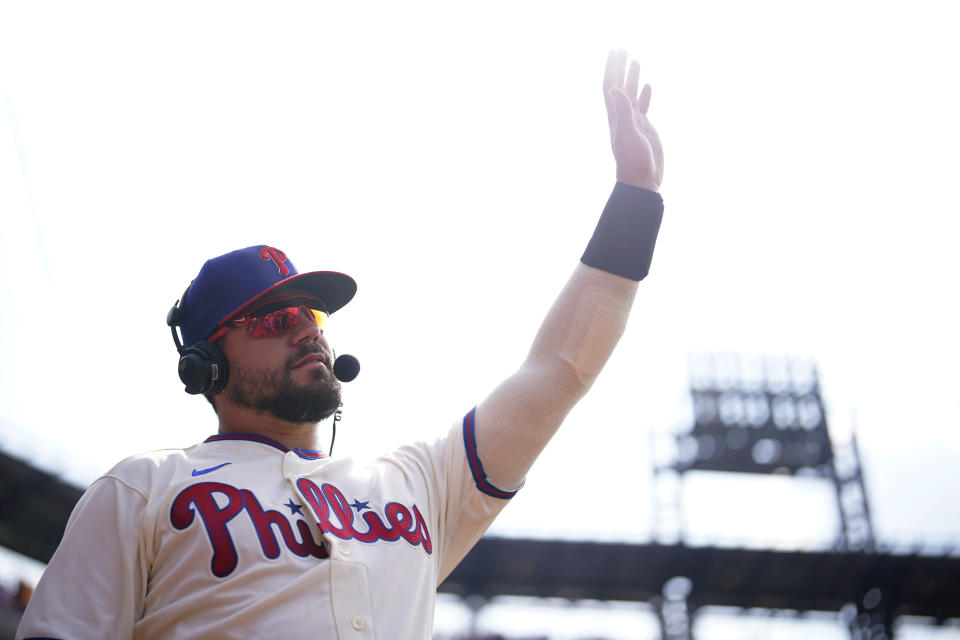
pixel 332 288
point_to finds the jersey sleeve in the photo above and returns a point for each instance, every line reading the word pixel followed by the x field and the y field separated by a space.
pixel 461 498
pixel 95 583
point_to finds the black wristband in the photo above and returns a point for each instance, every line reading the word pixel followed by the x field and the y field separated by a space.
pixel 626 233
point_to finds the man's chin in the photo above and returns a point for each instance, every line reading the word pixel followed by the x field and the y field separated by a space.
pixel 305 404
pixel 301 395
pixel 312 400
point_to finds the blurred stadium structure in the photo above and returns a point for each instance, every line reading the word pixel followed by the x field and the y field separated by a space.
pixel 761 416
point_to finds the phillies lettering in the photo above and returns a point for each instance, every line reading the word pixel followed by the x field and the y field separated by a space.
pixel 263 520
pixel 328 503
pixel 278 257
pixel 215 519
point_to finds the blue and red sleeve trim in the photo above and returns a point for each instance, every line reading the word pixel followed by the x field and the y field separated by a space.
pixel 473 459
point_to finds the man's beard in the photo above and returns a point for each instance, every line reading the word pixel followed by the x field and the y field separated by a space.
pixel 275 392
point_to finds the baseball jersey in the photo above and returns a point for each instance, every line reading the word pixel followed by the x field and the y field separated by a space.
pixel 240 537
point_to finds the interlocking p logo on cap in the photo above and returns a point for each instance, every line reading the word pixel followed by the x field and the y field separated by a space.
pixel 278 257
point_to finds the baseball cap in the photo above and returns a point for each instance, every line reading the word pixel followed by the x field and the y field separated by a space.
pixel 229 283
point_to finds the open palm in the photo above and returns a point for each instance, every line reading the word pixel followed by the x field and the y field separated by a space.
pixel 636 145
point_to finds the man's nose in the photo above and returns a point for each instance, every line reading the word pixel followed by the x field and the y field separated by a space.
pixel 307 328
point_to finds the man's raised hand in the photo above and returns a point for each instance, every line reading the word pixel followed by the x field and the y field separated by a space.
pixel 636 146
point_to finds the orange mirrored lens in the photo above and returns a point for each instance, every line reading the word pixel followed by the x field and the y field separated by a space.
pixel 319 317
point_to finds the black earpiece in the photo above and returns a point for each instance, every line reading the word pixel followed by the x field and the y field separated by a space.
pixel 203 369
pixel 203 366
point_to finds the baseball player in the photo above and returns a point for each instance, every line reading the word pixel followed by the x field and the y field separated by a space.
pixel 255 532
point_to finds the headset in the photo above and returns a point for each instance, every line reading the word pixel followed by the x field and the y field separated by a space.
pixel 203 366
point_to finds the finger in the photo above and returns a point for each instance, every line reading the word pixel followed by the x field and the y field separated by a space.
pixel 633 80
pixel 621 67
pixel 643 103
pixel 610 73
pixel 612 79
pixel 613 75
pixel 622 107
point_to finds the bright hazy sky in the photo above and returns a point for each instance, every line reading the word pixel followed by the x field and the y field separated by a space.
pixel 454 161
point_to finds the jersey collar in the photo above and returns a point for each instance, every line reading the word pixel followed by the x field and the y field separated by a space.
pixel 307 454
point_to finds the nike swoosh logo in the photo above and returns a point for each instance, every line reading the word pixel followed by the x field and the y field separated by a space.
pixel 200 472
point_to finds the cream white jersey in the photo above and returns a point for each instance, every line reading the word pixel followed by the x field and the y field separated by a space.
pixel 240 537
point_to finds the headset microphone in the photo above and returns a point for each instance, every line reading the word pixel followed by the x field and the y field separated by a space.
pixel 346 368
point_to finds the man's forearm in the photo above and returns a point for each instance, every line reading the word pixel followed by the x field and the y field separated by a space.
pixel 574 342
pixel 517 420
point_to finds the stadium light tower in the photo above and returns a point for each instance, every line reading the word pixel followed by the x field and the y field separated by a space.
pixel 763 416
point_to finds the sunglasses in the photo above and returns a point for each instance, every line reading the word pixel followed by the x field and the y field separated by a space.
pixel 267 322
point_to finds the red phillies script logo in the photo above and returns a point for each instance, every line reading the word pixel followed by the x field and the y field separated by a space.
pixel 334 515
pixel 329 505
pixel 278 257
